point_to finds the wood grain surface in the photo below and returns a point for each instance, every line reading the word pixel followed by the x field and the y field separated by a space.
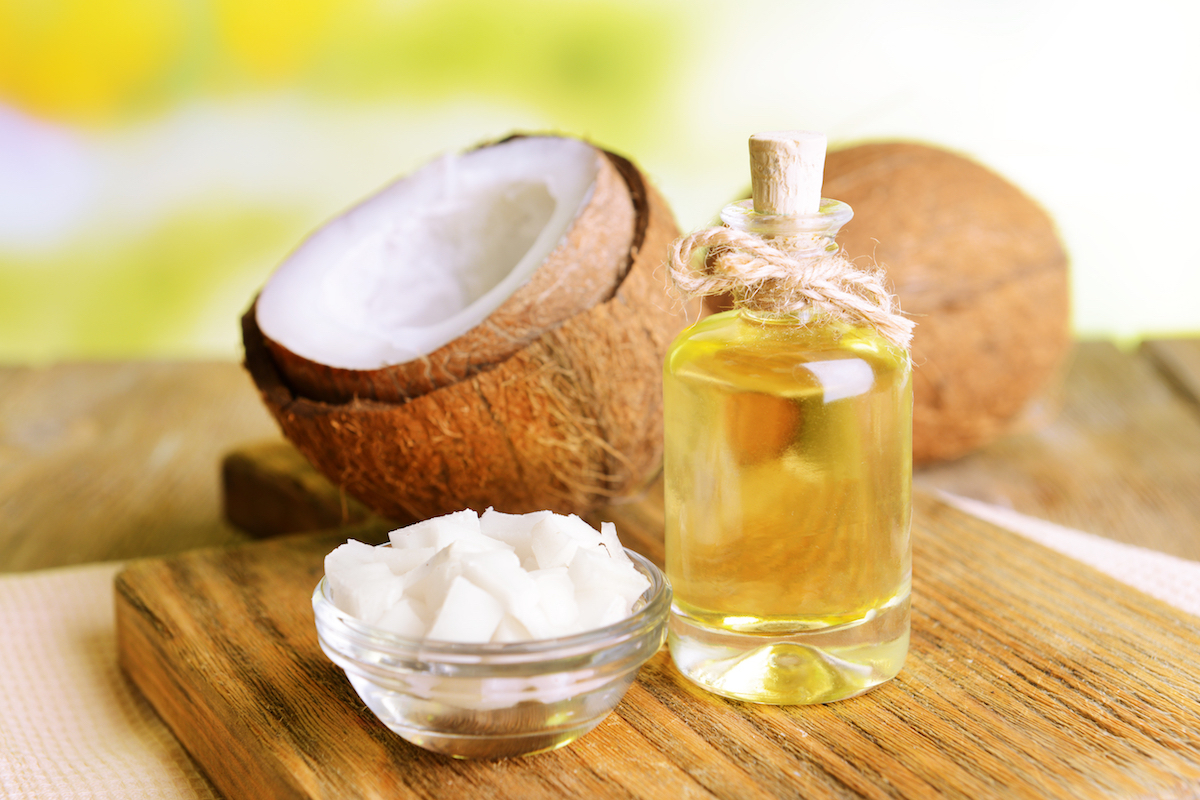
pixel 104 461
pixel 1030 676
pixel 1121 459
pixel 1178 361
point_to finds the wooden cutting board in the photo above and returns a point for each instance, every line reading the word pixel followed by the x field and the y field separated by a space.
pixel 1030 676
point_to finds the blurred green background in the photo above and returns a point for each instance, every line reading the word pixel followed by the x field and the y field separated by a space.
pixel 159 157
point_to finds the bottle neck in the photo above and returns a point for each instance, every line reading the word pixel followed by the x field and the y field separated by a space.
pixel 799 235
pixel 801 316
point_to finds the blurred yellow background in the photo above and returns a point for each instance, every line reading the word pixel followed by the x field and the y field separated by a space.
pixel 159 157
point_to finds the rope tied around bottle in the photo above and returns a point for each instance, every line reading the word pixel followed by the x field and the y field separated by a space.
pixel 763 277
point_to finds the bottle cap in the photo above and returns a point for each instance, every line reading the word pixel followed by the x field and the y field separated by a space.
pixel 786 171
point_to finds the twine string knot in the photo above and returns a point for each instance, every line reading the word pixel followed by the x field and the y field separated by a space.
pixel 764 276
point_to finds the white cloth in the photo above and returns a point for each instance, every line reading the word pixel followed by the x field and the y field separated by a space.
pixel 1166 577
pixel 73 726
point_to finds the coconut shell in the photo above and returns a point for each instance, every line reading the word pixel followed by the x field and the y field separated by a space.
pixel 978 265
pixel 580 272
pixel 572 420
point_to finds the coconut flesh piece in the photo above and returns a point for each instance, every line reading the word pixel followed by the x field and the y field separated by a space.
pixel 402 277
pixel 493 577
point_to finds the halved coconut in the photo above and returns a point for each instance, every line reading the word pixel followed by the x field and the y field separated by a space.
pixel 980 267
pixel 568 416
pixel 449 270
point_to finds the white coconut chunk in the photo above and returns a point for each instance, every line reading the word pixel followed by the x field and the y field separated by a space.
pixel 551 548
pixel 438 532
pixel 429 583
pixel 595 574
pixel 535 620
pixel 350 554
pixel 499 572
pixel 478 543
pixel 402 617
pixel 402 560
pixel 430 580
pixel 344 573
pixel 594 614
pixel 557 600
pixel 556 537
pixel 365 590
pixel 510 629
pixel 604 591
pixel 495 561
pixel 581 532
pixel 501 575
pixel 429 257
pixel 468 614
pixel 617 610
pixel 513 529
pixel 612 545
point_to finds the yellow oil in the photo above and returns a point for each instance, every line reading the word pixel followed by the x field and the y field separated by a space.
pixel 788 502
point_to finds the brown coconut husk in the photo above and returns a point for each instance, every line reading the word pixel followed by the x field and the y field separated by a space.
pixel 580 272
pixel 978 265
pixel 571 420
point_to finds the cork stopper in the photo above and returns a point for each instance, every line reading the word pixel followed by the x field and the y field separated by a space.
pixel 786 171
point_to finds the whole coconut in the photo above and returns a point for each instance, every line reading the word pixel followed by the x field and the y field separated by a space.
pixel 550 401
pixel 978 265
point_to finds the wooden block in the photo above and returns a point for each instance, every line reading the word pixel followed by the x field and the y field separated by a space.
pixel 1030 676
pixel 268 489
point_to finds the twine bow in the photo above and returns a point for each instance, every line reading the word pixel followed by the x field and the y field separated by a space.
pixel 763 277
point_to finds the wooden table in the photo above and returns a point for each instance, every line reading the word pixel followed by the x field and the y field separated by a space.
pixel 103 461
pixel 114 461
pixel 1120 458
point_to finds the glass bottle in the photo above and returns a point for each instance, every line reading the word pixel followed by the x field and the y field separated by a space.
pixel 788 473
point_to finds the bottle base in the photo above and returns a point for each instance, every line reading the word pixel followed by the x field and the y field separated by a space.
pixel 795 668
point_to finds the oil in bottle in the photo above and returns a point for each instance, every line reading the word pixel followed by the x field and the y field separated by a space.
pixel 788 470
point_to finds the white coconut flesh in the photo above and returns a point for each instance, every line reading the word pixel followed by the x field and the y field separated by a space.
pixel 430 257
pixel 493 577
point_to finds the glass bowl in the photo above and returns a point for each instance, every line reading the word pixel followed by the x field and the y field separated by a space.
pixel 495 700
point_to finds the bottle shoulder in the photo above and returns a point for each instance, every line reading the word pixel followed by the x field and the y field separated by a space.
pixel 770 354
pixel 738 335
